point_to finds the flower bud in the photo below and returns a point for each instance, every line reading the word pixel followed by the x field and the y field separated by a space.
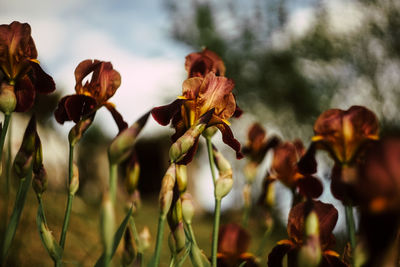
pixel 222 187
pixel 181 177
pixel 310 253
pixel 107 224
pixel 76 133
pixel 187 208
pixel 121 147
pixel 74 183
pixel 177 239
pixel 39 181
pixel 184 143
pixel 25 157
pixel 144 238
pixel 132 172
pixel 8 100
pixel 130 250
pixel 48 240
pixel 250 171
pixel 247 195
pixel 166 192
pixel 210 131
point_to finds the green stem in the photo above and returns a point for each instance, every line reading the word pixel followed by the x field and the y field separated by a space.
pixel 214 246
pixel 7 118
pixel 264 242
pixel 137 240
pixel 16 214
pixel 351 228
pixel 211 158
pixel 191 232
pixel 70 198
pixel 113 182
pixel 160 233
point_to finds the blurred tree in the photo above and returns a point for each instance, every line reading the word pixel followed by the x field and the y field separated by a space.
pixel 297 71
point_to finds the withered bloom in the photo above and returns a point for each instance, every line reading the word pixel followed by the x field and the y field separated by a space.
pixel 233 244
pixel 285 169
pixel 344 134
pixel 91 95
pixel 21 76
pixel 304 233
pixel 200 95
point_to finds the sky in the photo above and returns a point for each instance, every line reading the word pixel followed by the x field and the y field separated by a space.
pixel 132 35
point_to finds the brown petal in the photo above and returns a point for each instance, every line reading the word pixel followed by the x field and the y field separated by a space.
pixel 229 139
pixel 82 70
pixel 233 240
pixel 79 106
pixel 41 80
pixel 277 254
pixel 164 114
pixel 238 110
pixel 284 163
pixel 199 64
pixel 25 94
pixel 122 125
pixel 191 87
pixel 216 92
pixel 327 216
pixel 310 187
pixel 329 260
pixel 307 163
pixel 61 113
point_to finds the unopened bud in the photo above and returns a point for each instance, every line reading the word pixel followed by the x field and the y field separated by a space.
pixel 144 238
pixel 210 131
pixel 76 133
pixel 166 192
pixel 179 237
pixel 39 181
pixel 121 147
pixel 184 143
pixel 250 171
pixel 310 253
pixel 181 177
pixel 270 195
pixel 8 100
pixel 247 195
pixel 187 208
pixel 222 187
pixel 129 253
pixel 134 201
pixel 25 157
pixel 107 224
pixel 48 240
pixel 223 166
pixel 132 174
pixel 74 183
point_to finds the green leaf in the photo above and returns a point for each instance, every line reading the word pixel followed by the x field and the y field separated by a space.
pixel 102 261
pixel 48 240
pixel 16 214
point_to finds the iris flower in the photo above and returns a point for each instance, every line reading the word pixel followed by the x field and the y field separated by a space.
pixel 285 169
pixel 200 95
pixel 327 217
pixel 344 134
pixel 19 67
pixel 91 95
pixel 233 244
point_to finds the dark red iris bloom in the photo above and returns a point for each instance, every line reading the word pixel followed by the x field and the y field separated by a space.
pixel 91 95
pixel 258 144
pixel 378 190
pixel 344 134
pixel 200 95
pixel 285 169
pixel 233 244
pixel 327 218
pixel 19 66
